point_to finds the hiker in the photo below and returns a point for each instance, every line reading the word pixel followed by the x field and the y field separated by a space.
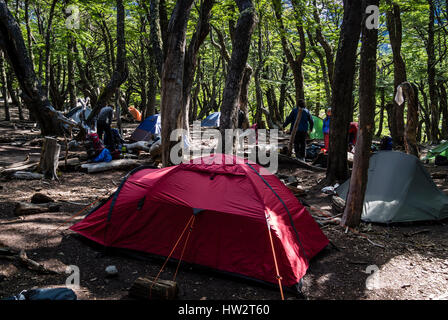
pixel 352 136
pixel 326 129
pixel 104 123
pixel 306 123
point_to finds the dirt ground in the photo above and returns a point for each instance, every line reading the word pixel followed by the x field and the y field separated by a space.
pixel 411 261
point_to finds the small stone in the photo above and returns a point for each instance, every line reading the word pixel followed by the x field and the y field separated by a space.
pixel 111 271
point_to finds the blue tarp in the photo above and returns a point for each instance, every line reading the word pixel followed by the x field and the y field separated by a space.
pixel 212 120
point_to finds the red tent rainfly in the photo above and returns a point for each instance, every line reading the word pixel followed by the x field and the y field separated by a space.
pixel 235 203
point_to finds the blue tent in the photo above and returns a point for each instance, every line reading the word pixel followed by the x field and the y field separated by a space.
pixel 148 128
pixel 212 120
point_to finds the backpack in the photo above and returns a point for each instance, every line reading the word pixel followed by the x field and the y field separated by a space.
pixel 45 294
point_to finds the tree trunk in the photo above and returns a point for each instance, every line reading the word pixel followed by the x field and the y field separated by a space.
pixel 394 26
pixel 329 53
pixel 240 52
pixel 367 104
pixel 191 57
pixel 4 85
pixel 48 47
pixel 121 68
pixel 14 94
pixel 342 99
pixel 173 77
pixel 295 63
pixel 12 43
pixel 382 109
pixel 444 109
pixel 433 97
pixel 49 158
pixel 411 95
pixel 71 86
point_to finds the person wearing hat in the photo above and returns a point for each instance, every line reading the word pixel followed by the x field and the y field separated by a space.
pixel 326 129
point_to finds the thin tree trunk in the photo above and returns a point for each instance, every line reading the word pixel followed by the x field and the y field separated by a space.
pixel 191 57
pixel 367 104
pixel 48 46
pixel 34 96
pixel 342 99
pixel 173 76
pixel 4 84
pixel 394 26
pixel 444 109
pixel 411 94
pixel 382 109
pixel 240 52
pixel 121 68
pixel 433 98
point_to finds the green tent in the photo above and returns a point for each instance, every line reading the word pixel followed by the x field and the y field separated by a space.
pixel 317 133
pixel 441 150
pixel 399 189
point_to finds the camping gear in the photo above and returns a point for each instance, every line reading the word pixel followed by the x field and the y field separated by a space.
pixel 148 289
pixel 135 113
pixel 313 150
pixel 317 133
pixel 152 126
pixel 78 113
pixel 399 189
pixel 235 204
pixel 104 156
pixel 440 150
pixel 212 120
pixel 45 294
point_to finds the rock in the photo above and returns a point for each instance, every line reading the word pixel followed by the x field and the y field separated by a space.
pixel 111 271
pixel 38 198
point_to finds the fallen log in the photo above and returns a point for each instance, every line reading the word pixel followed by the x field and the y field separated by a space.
pixel 147 289
pixel 283 159
pixel 69 165
pixel 113 165
pixel 25 175
pixel 23 208
pixel 141 145
pixel 9 254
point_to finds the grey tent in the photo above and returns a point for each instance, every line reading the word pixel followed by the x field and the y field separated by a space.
pixel 399 189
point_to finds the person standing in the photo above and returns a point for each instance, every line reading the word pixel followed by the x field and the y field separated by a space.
pixel 306 124
pixel 326 129
pixel 104 123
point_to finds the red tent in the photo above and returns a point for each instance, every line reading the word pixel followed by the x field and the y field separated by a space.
pixel 233 204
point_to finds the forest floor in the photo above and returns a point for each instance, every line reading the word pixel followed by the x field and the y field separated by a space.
pixel 411 260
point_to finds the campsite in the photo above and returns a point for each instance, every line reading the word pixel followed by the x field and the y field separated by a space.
pixel 202 150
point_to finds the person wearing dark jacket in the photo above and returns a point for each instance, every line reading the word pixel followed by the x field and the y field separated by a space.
pixel 104 123
pixel 306 124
